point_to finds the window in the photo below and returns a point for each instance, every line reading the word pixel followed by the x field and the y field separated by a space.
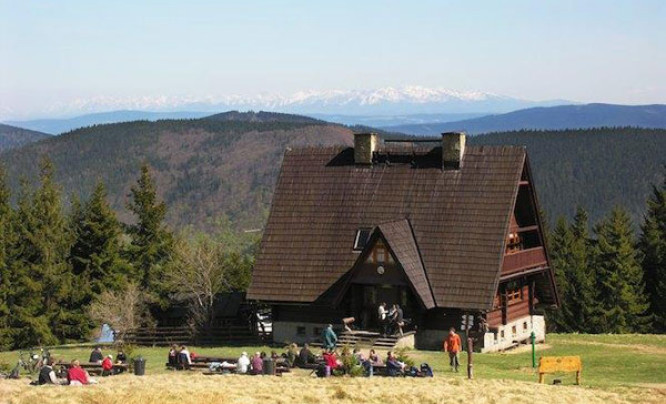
pixel 525 326
pixel 300 330
pixel 380 254
pixel 362 236
pixel 513 330
pixel 316 331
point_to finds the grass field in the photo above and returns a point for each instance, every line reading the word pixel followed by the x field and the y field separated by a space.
pixel 617 369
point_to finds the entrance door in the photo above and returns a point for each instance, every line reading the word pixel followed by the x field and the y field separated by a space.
pixel 373 295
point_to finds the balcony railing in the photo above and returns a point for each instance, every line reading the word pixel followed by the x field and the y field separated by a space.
pixel 521 261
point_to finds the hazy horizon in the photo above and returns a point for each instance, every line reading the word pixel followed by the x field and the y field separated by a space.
pixel 74 57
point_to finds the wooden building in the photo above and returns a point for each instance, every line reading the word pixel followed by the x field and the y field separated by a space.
pixel 448 232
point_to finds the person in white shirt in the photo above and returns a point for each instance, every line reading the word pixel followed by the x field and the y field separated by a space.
pixel 243 363
pixel 381 316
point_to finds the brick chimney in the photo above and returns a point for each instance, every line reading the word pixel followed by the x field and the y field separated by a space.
pixel 364 145
pixel 453 149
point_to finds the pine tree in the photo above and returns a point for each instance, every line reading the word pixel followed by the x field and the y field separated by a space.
pixel 96 254
pixel 28 322
pixel 6 239
pixel 152 244
pixel 653 246
pixel 582 275
pixel 560 244
pixel 619 278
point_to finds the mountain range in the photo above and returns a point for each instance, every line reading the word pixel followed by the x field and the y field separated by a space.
pixel 383 101
pixel 226 165
pixel 550 118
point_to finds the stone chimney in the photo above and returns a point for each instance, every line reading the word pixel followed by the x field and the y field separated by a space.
pixel 365 144
pixel 453 149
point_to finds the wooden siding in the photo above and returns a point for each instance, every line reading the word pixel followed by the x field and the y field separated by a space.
pixel 523 260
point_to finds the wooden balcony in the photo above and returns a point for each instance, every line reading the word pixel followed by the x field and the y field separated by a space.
pixel 523 261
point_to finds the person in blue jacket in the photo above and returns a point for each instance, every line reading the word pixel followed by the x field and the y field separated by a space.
pixel 328 337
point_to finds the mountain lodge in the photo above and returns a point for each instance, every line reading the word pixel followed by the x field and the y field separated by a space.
pixel 449 232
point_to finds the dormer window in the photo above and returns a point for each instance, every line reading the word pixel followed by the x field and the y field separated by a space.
pixel 362 236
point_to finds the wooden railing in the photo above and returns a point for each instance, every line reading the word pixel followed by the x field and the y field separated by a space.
pixel 523 260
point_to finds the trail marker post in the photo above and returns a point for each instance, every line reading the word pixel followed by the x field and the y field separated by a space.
pixel 470 366
pixel 533 338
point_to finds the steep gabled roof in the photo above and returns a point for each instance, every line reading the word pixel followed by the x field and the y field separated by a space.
pixel 398 235
pixel 459 219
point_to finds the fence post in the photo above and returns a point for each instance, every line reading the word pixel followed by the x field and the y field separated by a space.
pixel 470 366
pixel 533 338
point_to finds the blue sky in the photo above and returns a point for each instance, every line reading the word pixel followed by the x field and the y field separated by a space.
pixel 606 51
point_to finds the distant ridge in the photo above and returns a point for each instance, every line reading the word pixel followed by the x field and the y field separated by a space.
pixel 58 126
pixel 261 116
pixel 551 118
pixel 13 137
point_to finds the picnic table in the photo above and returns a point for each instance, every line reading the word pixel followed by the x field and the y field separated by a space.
pixel 94 367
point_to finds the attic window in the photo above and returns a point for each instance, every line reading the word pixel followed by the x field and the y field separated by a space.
pixel 362 236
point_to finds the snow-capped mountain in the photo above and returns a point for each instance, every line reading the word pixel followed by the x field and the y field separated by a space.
pixel 382 101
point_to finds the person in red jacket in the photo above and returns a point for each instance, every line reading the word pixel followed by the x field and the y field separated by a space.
pixel 107 365
pixel 76 375
pixel 453 345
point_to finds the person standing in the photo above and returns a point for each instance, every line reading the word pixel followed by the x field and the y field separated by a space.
pixel 381 317
pixel 329 339
pixel 453 345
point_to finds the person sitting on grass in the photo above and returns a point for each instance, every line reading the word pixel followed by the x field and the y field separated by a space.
pixel 77 376
pixel 257 364
pixel 184 358
pixel 393 366
pixel 243 364
pixel 173 356
pixel 107 365
pixel 375 359
pixel 305 356
pixel 47 375
pixel 96 355
pixel 331 360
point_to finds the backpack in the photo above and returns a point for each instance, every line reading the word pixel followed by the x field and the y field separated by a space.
pixel 321 370
pixel 426 370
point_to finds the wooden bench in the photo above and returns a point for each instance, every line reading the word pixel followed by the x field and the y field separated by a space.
pixel 94 368
pixel 555 364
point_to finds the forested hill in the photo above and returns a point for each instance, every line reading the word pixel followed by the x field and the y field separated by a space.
pixel 206 168
pixel 551 118
pixel 594 168
pixel 203 168
pixel 262 116
pixel 12 137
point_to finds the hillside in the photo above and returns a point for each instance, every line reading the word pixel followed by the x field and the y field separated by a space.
pixel 551 118
pixel 12 137
pixel 228 163
pixel 204 168
pixel 594 168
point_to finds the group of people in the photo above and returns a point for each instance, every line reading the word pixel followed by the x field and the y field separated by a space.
pixel 252 366
pixel 107 362
pixel 391 320
pixel 76 375
pixel 180 357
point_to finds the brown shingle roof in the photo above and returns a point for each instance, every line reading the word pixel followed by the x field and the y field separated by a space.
pixel 458 218
pixel 399 237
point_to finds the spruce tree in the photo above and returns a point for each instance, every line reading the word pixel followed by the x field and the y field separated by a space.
pixel 96 254
pixel 29 323
pixel 152 244
pixel 653 246
pixel 619 277
pixel 6 239
pixel 560 243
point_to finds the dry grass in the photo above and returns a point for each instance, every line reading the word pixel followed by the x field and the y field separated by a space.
pixel 296 389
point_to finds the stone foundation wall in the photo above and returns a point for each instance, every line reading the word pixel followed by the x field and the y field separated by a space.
pixel 518 331
pixel 300 333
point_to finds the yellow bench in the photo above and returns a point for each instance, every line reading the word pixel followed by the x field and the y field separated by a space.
pixel 553 364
